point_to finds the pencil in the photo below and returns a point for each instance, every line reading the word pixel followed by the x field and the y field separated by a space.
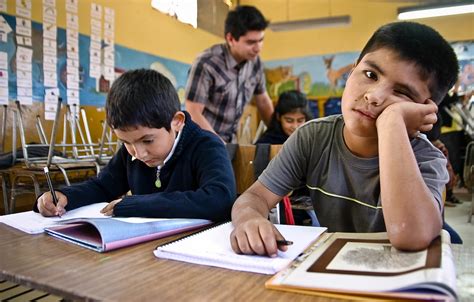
pixel 50 185
pixel 284 242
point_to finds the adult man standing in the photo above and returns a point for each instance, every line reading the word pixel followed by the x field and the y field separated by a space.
pixel 224 77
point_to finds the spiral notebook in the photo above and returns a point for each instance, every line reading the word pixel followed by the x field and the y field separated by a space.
pixel 212 247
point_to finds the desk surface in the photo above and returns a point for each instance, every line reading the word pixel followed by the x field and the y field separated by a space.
pixel 132 274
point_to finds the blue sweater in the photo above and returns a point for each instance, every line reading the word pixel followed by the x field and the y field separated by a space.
pixel 196 182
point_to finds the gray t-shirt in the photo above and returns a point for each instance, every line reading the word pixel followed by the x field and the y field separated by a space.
pixel 344 188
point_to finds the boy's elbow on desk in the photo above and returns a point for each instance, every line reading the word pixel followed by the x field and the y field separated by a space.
pixel 411 240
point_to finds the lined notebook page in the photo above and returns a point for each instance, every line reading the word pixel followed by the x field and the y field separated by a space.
pixel 34 223
pixel 212 247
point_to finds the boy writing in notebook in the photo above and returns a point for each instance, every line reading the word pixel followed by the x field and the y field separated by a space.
pixel 369 169
pixel 172 167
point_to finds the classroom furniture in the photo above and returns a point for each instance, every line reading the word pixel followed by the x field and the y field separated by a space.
pixel 129 274
pixel 135 274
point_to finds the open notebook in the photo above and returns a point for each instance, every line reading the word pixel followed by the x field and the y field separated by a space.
pixel 212 247
pixel 34 223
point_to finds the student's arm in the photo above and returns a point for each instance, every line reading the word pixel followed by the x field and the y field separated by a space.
pixel 265 107
pixel 412 215
pixel 211 197
pixel 254 233
pixel 196 109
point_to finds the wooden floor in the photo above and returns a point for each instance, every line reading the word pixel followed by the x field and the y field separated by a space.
pixel 10 291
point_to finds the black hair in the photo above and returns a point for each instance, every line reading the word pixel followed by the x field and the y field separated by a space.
pixel 425 47
pixel 242 19
pixel 290 101
pixel 141 97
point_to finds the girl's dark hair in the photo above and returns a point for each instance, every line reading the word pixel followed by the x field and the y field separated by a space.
pixel 425 47
pixel 242 19
pixel 141 97
pixel 290 101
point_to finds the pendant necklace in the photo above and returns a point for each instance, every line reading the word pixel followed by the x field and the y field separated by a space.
pixel 158 168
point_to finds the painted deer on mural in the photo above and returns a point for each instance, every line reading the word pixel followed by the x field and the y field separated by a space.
pixel 334 75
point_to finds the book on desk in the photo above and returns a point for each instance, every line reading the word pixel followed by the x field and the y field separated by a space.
pixel 88 228
pixel 339 265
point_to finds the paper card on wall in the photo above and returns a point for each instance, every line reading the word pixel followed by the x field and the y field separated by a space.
pixel 96 24
pixel 109 18
pixel 96 11
pixel 23 26
pixel 74 43
pixel 109 11
pixel 95 45
pixel 25 91
pixel 50 115
pixel 50 82
pixel 3 5
pixel 3 98
pixel 49 2
pixel 48 43
pixel 26 66
pixel 24 54
pixel 95 70
pixel 3 78
pixel 23 12
pixel 109 26
pixel 72 21
pixel 72 48
pixel 109 33
pixel 72 34
pixel 4 91
pixel 72 78
pixel 25 100
pixel 73 55
pixel 50 31
pixel 23 40
pixel 50 60
pixel 3 37
pixel 109 62
pixel 51 95
pixel 72 63
pixel 23 3
pixel 72 85
pixel 72 93
pixel 24 82
pixel 23 74
pixel 71 6
pixel 49 14
pixel 50 51
pixel 108 42
pixel 72 70
pixel 50 106
pixel 3 60
pixel 96 37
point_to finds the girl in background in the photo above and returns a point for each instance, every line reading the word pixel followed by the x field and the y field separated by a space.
pixel 290 112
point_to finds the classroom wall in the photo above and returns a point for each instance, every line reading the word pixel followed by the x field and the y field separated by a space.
pixel 142 36
pixel 367 16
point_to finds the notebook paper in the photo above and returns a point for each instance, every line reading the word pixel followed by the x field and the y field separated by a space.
pixel 34 223
pixel 212 247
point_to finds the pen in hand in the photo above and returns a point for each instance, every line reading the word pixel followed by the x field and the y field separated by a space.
pixel 284 242
pixel 50 185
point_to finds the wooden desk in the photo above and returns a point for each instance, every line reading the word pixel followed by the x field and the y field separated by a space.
pixel 129 274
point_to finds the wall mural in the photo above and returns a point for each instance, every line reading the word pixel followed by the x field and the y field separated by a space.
pixel 323 78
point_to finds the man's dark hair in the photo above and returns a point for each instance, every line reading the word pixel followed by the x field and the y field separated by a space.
pixel 425 47
pixel 243 19
pixel 141 97
pixel 290 101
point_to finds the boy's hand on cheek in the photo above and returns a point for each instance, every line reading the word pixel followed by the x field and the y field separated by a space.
pixel 416 117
